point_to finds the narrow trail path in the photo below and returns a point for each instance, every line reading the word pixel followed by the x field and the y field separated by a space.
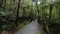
pixel 31 28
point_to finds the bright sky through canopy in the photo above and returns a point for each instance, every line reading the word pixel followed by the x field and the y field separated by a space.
pixel 38 2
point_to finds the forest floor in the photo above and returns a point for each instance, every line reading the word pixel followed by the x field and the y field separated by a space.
pixel 31 28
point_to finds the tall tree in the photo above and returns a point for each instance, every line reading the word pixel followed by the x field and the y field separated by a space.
pixel 17 12
pixel 4 4
pixel 50 13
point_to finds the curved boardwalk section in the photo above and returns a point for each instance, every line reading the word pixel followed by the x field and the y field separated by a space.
pixel 31 28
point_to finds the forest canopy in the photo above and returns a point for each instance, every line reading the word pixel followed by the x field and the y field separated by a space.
pixel 14 12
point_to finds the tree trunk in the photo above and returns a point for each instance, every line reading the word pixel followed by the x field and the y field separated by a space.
pixel 50 12
pixel 17 13
pixel 4 4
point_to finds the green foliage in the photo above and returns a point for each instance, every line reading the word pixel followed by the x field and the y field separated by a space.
pixel 26 9
pixel 8 13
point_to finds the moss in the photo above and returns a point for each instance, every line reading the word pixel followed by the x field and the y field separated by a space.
pixel 39 32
